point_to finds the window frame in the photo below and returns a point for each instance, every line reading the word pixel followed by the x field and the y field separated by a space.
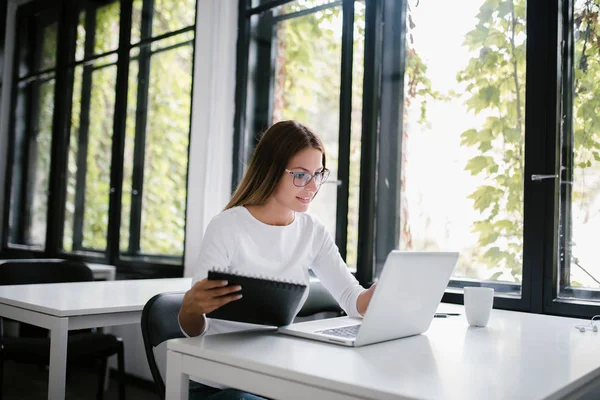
pixel 134 264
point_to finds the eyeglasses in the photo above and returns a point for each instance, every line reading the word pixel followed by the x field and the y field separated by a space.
pixel 302 179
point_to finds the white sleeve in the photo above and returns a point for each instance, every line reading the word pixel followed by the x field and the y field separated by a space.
pixel 216 251
pixel 333 273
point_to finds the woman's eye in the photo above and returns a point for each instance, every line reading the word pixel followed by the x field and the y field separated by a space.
pixel 300 175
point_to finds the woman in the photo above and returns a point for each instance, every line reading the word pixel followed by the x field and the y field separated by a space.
pixel 264 229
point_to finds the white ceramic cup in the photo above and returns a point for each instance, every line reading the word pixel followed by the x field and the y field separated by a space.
pixel 478 305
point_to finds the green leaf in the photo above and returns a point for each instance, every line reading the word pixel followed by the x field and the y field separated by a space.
pixel 495 276
pixel 478 163
pixel 494 253
pixel 484 197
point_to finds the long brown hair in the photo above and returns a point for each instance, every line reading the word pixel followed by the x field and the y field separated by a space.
pixel 277 146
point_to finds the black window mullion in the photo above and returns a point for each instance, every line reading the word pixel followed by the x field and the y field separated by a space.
pixel 391 114
pixel 368 159
pixel 137 183
pixel 541 126
pixel 345 128
pixel 61 123
pixel 241 89
pixel 264 84
pixel 84 127
pixel 119 129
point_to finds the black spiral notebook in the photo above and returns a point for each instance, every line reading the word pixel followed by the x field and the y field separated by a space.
pixel 264 301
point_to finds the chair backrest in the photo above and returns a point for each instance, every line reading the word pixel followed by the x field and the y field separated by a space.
pixel 319 300
pixel 160 322
pixel 32 271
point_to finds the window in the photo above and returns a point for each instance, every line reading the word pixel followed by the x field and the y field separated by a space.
pixel 465 94
pixel 464 126
pixel 33 96
pixel 128 67
pixel 305 44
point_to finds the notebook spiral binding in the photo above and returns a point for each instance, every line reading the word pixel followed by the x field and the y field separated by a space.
pixel 264 277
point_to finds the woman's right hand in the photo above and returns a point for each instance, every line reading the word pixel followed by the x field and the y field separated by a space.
pixel 204 297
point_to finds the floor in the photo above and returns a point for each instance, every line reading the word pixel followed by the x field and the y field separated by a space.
pixel 26 382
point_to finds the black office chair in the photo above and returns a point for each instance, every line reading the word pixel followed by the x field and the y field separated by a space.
pixel 319 301
pixel 32 345
pixel 160 321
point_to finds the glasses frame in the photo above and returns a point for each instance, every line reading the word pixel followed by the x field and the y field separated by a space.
pixel 324 173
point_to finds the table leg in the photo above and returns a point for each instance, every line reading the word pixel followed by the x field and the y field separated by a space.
pixel 58 359
pixel 177 385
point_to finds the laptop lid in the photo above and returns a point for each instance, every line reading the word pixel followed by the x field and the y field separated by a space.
pixel 409 290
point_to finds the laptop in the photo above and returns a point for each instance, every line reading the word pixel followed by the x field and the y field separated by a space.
pixel 408 293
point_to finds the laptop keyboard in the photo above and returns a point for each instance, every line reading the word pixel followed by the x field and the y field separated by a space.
pixel 349 332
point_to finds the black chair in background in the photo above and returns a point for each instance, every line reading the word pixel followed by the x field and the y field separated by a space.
pixel 160 321
pixel 319 301
pixel 32 345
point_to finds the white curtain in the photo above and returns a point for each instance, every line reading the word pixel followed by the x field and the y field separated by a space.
pixel 213 107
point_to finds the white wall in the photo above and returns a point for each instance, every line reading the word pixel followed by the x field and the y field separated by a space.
pixel 211 142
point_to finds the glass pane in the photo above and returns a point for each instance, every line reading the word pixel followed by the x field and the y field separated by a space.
pixel 89 162
pixel 37 36
pixel 127 195
pixel 107 28
pixel 49 44
pixel 166 152
pixel 307 89
pixel 80 41
pixel 474 76
pixel 31 167
pixel 136 20
pixel 581 223
pixel 170 16
pixel 68 232
pixel 356 132
pixel 167 16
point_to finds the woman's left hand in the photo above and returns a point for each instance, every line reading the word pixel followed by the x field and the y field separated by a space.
pixel 364 299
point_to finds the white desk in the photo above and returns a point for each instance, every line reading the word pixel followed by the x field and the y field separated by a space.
pixel 518 356
pixel 61 307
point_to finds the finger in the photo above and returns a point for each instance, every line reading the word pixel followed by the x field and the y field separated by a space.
pixel 221 301
pixel 218 292
pixel 205 284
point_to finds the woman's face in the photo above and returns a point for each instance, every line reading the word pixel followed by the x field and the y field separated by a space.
pixel 309 161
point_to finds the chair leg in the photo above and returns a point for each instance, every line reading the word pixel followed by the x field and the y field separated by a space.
pixel 121 366
pixel 101 378
pixel 1 375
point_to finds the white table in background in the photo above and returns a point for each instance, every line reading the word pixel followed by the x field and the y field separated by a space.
pixel 60 307
pixel 518 356
pixel 103 272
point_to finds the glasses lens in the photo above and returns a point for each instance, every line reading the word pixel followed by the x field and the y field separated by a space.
pixel 301 179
